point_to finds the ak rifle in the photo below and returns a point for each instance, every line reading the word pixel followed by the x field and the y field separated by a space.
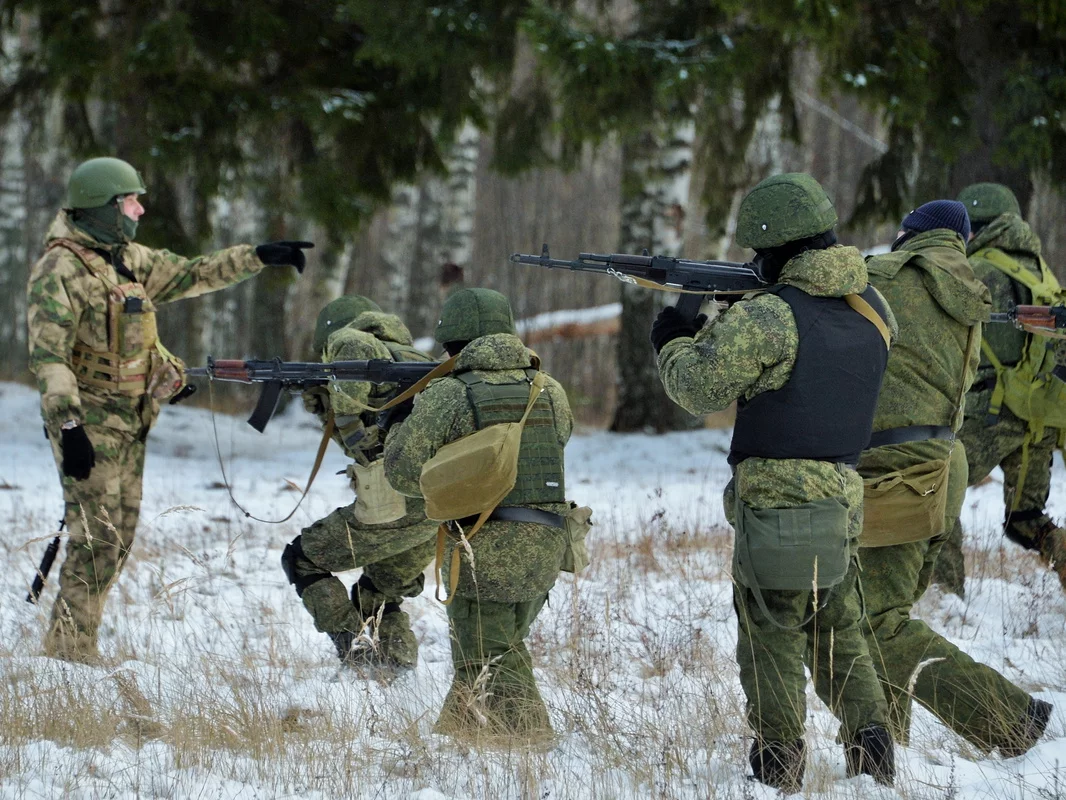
pixel 295 376
pixel 1041 320
pixel 694 279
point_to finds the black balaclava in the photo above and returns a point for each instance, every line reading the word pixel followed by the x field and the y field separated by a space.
pixel 771 260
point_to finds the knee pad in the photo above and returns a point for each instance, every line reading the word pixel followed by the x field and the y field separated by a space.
pixel 291 557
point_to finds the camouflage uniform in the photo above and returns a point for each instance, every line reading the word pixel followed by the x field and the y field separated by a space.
pixel 1000 444
pixel 393 555
pixel 937 299
pixel 515 564
pixel 68 305
pixel 749 349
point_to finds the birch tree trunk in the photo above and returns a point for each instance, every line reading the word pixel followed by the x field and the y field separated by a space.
pixel 431 224
pixel 655 188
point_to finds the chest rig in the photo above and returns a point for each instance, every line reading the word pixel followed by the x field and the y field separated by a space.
pixel 133 362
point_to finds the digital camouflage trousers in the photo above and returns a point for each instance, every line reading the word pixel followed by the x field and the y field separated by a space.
pixel 986 448
pixel 914 661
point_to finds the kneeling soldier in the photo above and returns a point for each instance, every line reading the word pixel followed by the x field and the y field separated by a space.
pixel 502 572
pixel 804 362
pixel 383 532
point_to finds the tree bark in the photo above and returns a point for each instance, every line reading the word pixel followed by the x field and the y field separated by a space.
pixel 655 183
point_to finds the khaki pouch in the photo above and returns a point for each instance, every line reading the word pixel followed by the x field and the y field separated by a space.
pixel 578 523
pixel 376 502
pixel 475 473
pixel 905 506
pixel 166 375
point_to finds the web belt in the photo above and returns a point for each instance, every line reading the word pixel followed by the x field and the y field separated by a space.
pixel 912 433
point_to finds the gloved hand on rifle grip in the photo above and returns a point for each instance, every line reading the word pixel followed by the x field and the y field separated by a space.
pixel 79 457
pixel 316 400
pixel 670 325
pixel 284 254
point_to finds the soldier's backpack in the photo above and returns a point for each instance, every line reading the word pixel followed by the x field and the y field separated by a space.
pixel 1028 388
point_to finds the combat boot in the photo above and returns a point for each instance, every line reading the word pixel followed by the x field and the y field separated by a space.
pixel 1028 730
pixel 871 752
pixel 386 638
pixel 1034 530
pixel 779 764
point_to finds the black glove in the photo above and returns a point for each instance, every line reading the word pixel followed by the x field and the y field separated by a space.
pixel 284 254
pixel 395 415
pixel 670 325
pixel 79 458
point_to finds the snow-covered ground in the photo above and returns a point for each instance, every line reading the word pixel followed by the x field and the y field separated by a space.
pixel 218 686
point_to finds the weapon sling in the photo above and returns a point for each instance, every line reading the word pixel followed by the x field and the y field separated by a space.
pixel 442 369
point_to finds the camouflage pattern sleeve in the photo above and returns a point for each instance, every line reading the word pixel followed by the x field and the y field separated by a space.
pixel 748 349
pixel 351 398
pixel 168 276
pixel 441 414
pixel 54 309
pixel 564 418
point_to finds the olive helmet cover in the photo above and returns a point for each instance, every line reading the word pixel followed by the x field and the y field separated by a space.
pixel 986 201
pixel 95 182
pixel 784 208
pixel 469 314
pixel 338 313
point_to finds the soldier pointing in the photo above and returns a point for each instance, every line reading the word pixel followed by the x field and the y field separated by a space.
pixel 102 372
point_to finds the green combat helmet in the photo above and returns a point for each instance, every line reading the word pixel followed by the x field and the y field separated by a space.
pixel 784 208
pixel 986 201
pixel 97 180
pixel 337 314
pixel 471 313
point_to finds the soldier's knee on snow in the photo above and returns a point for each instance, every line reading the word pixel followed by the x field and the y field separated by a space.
pixel 295 563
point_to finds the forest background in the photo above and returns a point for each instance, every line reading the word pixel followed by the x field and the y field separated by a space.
pixel 421 142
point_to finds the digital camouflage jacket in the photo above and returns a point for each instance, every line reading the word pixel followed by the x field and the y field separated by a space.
pixel 66 304
pixel 373 334
pixel 515 561
pixel 936 299
pixel 751 348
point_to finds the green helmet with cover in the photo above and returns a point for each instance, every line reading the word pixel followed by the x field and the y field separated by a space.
pixel 96 181
pixel 471 313
pixel 782 209
pixel 986 201
pixel 337 314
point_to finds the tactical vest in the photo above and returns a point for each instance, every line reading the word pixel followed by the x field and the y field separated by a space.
pixel 1029 388
pixel 825 412
pixel 540 459
pixel 135 362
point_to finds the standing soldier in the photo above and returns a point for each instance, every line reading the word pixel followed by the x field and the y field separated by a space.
pixel 382 531
pixel 506 568
pixel 804 362
pixel 102 372
pixel 915 476
pixel 1016 408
